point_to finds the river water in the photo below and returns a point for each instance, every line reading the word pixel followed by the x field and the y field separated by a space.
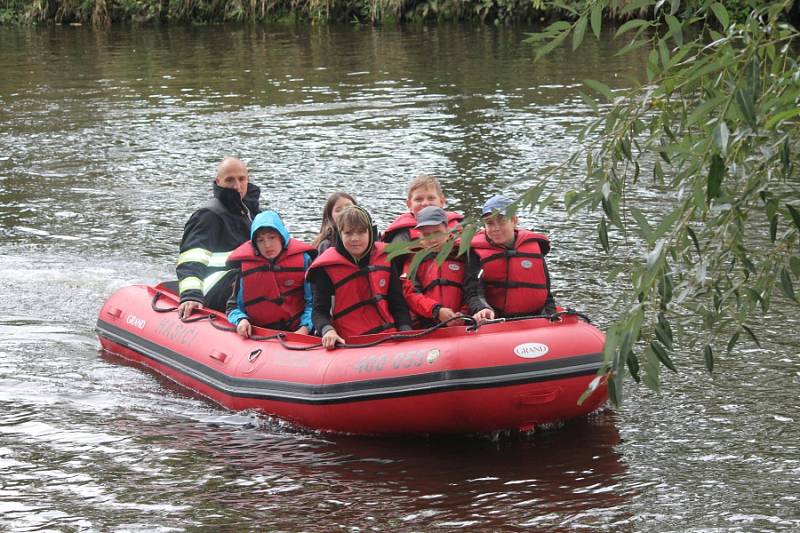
pixel 108 141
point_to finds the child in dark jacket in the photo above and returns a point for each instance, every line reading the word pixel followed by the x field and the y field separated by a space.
pixel 270 288
pixel 357 291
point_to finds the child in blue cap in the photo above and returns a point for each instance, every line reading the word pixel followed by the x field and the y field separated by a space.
pixel 506 272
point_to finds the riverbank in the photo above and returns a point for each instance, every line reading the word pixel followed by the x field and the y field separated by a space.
pixel 107 12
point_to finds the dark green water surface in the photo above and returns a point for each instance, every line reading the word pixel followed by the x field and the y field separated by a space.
pixel 108 141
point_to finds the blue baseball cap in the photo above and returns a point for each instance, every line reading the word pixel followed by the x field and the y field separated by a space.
pixel 431 216
pixel 497 203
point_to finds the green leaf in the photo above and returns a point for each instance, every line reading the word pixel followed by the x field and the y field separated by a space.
pixel 597 18
pixel 722 14
pixel 665 289
pixel 614 393
pixel 667 223
pixel 445 251
pixel 773 228
pixel 580 30
pixel 756 297
pixel 702 111
pixel 752 335
pixel 754 78
pixel 532 195
pixel 786 161
pixel 774 120
pixel 549 47
pixel 663 51
pixel 615 272
pixel 547 202
pixel 746 105
pixel 732 342
pixel 693 236
pixel 415 262
pixel 675 29
pixel 601 88
pixel 664 337
pixel 721 135
pixel 631 46
pixel 631 25
pixel 637 5
pixel 795 215
pixel 794 264
pixel 661 353
pixel 396 249
pixel 633 366
pixel 641 221
pixel 603 234
pixel 786 284
pixel 466 238
pixel 709 357
pixel 652 367
pixel 557 27
pixel 715 173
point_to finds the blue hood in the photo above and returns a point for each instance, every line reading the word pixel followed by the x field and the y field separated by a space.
pixel 271 220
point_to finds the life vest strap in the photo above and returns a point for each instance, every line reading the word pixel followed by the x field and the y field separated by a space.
pixel 441 281
pixel 378 329
pixel 369 301
pixel 516 284
pixel 361 272
pixel 284 325
pixel 510 253
pixel 272 268
pixel 277 301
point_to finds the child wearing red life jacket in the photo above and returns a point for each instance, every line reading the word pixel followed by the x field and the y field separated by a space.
pixel 436 292
pixel 422 191
pixel 270 289
pixel 506 272
pixel 357 291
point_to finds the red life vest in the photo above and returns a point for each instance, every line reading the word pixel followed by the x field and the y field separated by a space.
pixel 272 290
pixel 361 305
pixel 407 221
pixel 442 283
pixel 516 279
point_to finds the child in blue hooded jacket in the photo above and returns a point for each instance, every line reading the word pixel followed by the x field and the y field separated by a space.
pixel 270 289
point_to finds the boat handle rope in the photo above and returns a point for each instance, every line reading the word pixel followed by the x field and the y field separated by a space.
pixel 185 320
pixel 251 337
pixel 553 317
pixel 281 337
pixel 392 337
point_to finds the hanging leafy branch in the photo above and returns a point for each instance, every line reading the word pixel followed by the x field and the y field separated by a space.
pixel 714 125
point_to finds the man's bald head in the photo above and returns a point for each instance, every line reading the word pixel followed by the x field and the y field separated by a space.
pixel 232 174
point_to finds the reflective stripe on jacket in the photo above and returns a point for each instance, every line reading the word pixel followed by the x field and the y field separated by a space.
pixel 209 236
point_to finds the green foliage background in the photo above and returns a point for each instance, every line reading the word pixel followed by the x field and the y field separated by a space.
pixel 715 123
pixel 104 12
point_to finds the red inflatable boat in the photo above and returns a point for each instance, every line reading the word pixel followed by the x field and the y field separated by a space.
pixel 460 379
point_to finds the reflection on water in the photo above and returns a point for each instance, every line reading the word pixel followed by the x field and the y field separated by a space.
pixel 109 140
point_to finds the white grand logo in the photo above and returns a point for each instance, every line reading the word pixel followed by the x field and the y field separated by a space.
pixel 135 321
pixel 531 350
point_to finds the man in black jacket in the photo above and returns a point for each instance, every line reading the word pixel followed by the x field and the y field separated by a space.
pixel 211 234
